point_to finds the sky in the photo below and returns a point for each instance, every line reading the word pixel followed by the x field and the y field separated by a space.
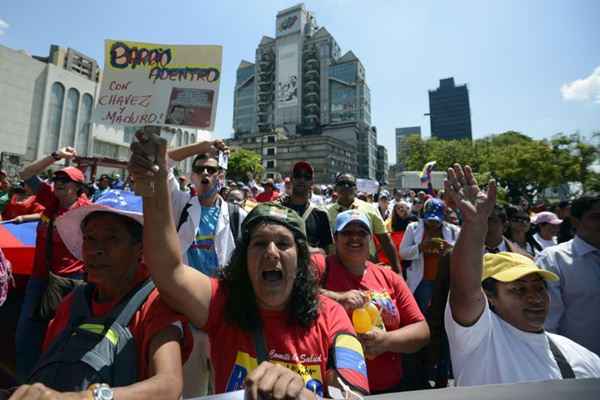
pixel 530 66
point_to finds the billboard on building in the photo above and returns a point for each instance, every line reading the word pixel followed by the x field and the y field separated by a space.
pixel 287 75
pixel 291 22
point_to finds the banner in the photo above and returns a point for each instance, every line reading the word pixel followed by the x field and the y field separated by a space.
pixel 156 84
pixel 367 186
pixel 287 75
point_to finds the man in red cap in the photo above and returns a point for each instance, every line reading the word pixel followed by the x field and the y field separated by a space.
pixel 53 263
pixel 318 230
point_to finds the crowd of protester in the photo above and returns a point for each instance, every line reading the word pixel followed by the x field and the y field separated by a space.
pixel 207 285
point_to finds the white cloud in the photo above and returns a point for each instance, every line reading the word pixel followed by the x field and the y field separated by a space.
pixel 3 26
pixel 586 89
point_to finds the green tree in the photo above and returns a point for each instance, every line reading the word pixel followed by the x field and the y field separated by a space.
pixel 241 162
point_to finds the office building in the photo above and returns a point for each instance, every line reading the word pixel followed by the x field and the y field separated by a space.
pixel 301 82
pixel 401 147
pixel 449 111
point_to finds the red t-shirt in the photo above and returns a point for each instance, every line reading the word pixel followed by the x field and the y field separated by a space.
pixel 16 208
pixel 394 301
pixel 303 350
pixel 153 317
pixel 63 262
pixel 265 197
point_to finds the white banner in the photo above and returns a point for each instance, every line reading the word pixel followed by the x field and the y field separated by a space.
pixel 287 75
pixel 154 84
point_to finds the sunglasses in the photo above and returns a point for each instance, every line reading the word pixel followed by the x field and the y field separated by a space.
pixel 303 175
pixel 61 180
pixel 523 220
pixel 346 184
pixel 210 170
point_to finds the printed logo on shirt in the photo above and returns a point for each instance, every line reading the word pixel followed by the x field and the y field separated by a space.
pixel 203 242
pixel 245 363
pixel 386 306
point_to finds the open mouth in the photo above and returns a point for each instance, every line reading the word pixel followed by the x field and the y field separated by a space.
pixel 272 276
pixel 355 245
pixel 205 181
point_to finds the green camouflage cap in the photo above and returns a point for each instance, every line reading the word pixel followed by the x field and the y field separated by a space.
pixel 273 212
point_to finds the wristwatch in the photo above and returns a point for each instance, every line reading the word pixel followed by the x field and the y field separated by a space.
pixel 101 391
pixel 55 155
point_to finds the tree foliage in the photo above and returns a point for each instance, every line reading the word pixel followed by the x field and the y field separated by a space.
pixel 242 162
pixel 521 165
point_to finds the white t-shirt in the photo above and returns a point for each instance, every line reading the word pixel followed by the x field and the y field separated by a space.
pixel 543 242
pixel 494 352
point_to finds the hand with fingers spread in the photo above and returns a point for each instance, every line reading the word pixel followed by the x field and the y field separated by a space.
pixel 66 153
pixel 462 188
pixel 274 381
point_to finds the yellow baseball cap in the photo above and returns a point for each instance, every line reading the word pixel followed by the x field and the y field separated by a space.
pixel 508 267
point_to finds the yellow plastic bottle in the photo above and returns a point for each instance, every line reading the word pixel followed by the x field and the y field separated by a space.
pixel 373 312
pixel 361 320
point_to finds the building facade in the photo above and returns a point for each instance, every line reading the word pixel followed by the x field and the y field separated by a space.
pixel 301 82
pixel 401 147
pixel 280 152
pixel 47 104
pixel 449 111
pixel 382 173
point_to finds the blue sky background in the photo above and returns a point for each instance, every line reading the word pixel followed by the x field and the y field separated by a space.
pixel 514 55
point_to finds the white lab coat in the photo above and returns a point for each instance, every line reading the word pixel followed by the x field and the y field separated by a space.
pixel 409 249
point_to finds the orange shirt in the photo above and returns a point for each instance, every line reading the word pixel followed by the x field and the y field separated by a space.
pixel 430 267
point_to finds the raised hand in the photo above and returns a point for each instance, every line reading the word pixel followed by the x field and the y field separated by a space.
pixel 67 153
pixel 462 187
pixel 148 161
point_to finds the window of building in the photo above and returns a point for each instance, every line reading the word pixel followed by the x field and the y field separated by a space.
pixel 71 108
pixel 83 128
pixel 343 100
pixel 270 139
pixel 270 164
pixel 270 151
pixel 55 108
pixel 104 149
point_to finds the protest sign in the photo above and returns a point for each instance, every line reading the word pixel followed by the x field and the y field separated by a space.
pixel 367 186
pixel 156 84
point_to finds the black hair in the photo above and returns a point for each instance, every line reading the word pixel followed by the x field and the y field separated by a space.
pixel 134 228
pixel 241 308
pixel 499 212
pixel 202 156
pixel 490 285
pixel 583 204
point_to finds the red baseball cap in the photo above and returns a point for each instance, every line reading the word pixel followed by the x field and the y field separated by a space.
pixel 72 173
pixel 303 166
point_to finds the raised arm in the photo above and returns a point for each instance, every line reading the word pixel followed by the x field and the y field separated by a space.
pixel 183 288
pixel 467 299
pixel 209 146
pixel 31 170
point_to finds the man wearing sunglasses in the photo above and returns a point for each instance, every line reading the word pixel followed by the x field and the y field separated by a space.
pixel 52 261
pixel 345 186
pixel 316 220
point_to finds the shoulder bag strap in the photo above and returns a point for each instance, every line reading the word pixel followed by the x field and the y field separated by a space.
pixel 134 303
pixel 184 215
pixel 307 211
pixel 565 368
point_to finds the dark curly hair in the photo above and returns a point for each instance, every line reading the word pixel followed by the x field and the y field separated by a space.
pixel 241 308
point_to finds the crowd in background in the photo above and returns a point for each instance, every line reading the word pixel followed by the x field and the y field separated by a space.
pixel 262 284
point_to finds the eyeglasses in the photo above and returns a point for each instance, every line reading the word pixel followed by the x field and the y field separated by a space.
pixel 301 175
pixel 210 170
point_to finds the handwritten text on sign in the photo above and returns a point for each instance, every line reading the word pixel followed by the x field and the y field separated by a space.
pixel 159 84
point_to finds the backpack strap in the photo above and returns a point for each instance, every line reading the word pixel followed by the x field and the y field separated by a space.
pixel 184 215
pixel 134 303
pixel 565 368
pixel 80 308
pixel 234 219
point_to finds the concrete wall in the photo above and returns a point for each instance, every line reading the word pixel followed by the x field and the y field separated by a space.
pixel 22 85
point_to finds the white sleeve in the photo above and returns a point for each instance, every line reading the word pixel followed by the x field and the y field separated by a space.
pixel 465 339
pixel 178 198
pixel 409 249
